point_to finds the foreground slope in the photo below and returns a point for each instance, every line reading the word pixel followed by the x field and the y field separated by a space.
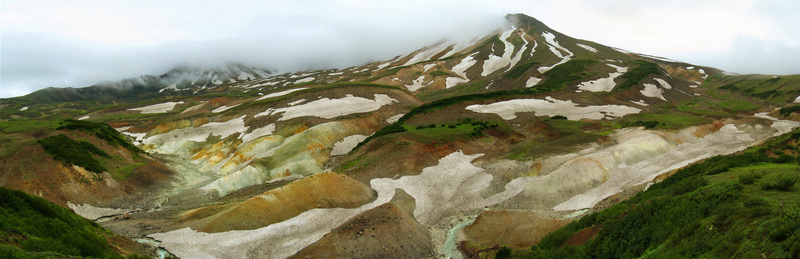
pixel 743 205
pixel 523 125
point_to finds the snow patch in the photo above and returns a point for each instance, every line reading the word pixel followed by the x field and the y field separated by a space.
pixel 663 83
pixel 347 144
pixel 296 102
pixel 93 213
pixel 332 108
pixel 428 67
pixel 223 108
pixel 157 108
pixel 495 63
pixel 551 107
pixel 417 84
pixel 281 93
pixel 640 102
pixel 304 80
pixel 453 81
pixel 395 118
pixel 23 108
pixel 84 117
pixel 257 133
pixel 555 47
pixel 587 47
pixel 532 81
pixel 198 134
pixel 651 90
pixel 603 84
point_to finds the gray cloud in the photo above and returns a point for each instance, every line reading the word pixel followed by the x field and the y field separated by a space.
pixel 56 43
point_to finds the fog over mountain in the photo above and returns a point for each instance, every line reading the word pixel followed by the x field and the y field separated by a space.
pixel 79 43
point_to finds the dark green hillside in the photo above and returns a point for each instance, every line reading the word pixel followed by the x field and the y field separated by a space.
pixel 31 227
pixel 744 205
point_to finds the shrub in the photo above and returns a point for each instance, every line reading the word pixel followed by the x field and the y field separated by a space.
pixel 559 117
pixel 783 182
pixel 66 150
pixel 749 178
pixel 503 253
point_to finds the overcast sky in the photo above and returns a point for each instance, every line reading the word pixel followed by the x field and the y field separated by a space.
pixel 79 42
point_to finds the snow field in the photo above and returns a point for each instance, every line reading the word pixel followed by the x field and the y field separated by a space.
pixel 555 47
pixel 551 107
pixel 281 93
pixel 587 47
pixel 603 84
pixel 332 108
pixel 157 108
pixel 495 63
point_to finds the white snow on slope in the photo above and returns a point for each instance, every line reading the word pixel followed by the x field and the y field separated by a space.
pixel 428 67
pixel 304 80
pixel 651 90
pixel 223 108
pixel 345 145
pixel 84 117
pixel 460 70
pixel 603 84
pixel 551 107
pixel 587 47
pixel 417 84
pixel 555 47
pixel 521 51
pixel 727 140
pixel 90 212
pixel 245 76
pixel 281 93
pixel 332 108
pixel 395 118
pixel 427 54
pixel 157 108
pixel 640 102
pixel 451 186
pixel 257 133
pixel 454 81
pixel 167 141
pixel 532 81
pixel 495 63
pixel 465 64
pixel 23 108
pixel 663 83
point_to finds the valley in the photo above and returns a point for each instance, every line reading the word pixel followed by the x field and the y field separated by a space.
pixel 457 150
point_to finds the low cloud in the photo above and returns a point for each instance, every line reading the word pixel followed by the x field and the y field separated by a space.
pixel 56 43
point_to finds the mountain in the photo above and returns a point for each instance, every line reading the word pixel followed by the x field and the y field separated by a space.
pixel 522 127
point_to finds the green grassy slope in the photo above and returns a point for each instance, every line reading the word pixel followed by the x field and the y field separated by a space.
pixel 31 227
pixel 742 205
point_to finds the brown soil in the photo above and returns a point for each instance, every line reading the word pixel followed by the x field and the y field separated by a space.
pixel 323 190
pixel 517 229
pixel 387 231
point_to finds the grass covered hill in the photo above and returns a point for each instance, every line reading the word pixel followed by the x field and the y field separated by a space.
pixel 744 205
pixel 32 227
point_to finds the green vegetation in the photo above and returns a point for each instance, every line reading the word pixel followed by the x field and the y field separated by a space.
pixel 635 76
pixel 737 106
pixel 465 128
pixel 439 73
pixel 777 90
pixel 100 130
pixel 666 121
pixel 786 111
pixel 15 126
pixel 557 78
pixel 32 227
pixel 519 70
pixel 742 205
pixel 66 150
